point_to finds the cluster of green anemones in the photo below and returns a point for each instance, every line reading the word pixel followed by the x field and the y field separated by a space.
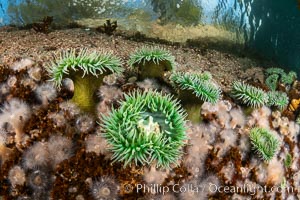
pixel 200 85
pixel 148 127
pixel 264 143
pixel 275 75
pixel 153 54
pixel 95 63
pixel 249 95
pixel 256 97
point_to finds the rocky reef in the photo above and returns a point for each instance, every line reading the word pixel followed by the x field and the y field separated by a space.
pixel 244 144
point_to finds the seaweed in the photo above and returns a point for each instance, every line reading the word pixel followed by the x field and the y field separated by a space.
pixel 44 25
pixel 108 28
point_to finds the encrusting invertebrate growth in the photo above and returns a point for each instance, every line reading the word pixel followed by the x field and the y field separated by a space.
pixel 148 127
pixel 152 62
pixel 194 89
pixel 264 143
pixel 87 70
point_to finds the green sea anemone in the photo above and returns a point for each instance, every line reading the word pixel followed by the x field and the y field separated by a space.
pixel 298 119
pixel 278 99
pixel 249 95
pixel 152 62
pixel 288 160
pixel 288 79
pixel 272 81
pixel 87 70
pixel 200 85
pixel 264 143
pixel 194 89
pixel 148 127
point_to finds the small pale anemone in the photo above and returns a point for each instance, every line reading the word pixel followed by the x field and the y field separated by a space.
pixel 36 156
pixel 197 149
pixel 4 90
pixel 87 70
pixel 15 113
pixel 39 180
pixel 264 143
pixel 70 108
pixel 105 188
pixel 35 73
pixel 148 127
pixel 249 95
pixel 97 144
pixel 45 93
pixel 3 136
pixel 22 64
pixel 275 172
pixel 60 148
pixel 58 119
pixel 11 81
pixel 85 123
pixel 5 152
pixel 152 62
pixel 148 84
pixel 109 93
pixel 16 176
pixel 155 176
